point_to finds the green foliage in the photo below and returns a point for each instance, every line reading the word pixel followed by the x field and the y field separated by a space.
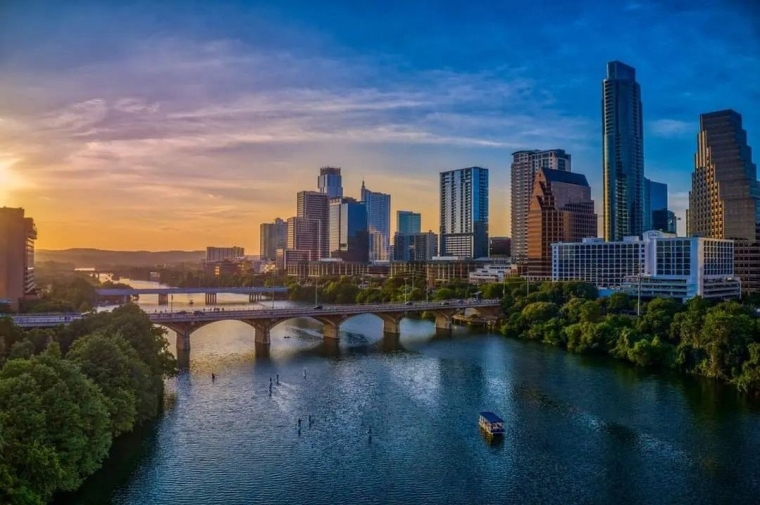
pixel 54 425
pixel 720 341
pixel 58 416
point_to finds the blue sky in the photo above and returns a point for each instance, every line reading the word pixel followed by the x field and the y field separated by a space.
pixel 168 124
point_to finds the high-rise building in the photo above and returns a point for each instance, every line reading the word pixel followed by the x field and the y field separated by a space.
pixel 378 207
pixel 314 205
pixel 525 164
pixel 623 153
pixel 17 236
pixel 273 236
pixel 724 201
pixel 464 213
pixel 214 254
pixel 561 210
pixel 304 235
pixel 415 246
pixel 655 199
pixel 500 247
pixel 330 182
pixel 408 222
pixel 349 235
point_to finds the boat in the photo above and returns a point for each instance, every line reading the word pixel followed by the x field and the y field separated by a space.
pixel 191 302
pixel 286 336
pixel 491 424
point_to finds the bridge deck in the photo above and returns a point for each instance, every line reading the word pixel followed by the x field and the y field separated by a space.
pixel 180 291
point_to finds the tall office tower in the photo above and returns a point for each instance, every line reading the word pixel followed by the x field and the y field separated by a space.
pixel 303 235
pixel 378 207
pixel 349 234
pixel 655 199
pixel 273 236
pixel 214 254
pixel 315 205
pixel 415 246
pixel 525 164
pixel 408 222
pixel 724 201
pixel 330 182
pixel 561 210
pixel 623 153
pixel 17 236
pixel 464 213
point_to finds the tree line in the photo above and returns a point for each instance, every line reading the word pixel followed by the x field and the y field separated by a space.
pixel 66 393
pixel 718 340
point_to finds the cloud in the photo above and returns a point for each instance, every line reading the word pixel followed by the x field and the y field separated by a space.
pixel 671 128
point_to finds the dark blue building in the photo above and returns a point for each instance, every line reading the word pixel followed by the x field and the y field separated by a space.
pixel 349 233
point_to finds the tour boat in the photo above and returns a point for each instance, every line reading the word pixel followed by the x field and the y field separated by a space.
pixel 491 423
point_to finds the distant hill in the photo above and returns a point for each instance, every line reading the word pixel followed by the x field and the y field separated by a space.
pixel 98 258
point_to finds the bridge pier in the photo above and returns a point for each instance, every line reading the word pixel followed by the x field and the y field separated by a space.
pixel 262 336
pixel 442 324
pixel 331 330
pixel 210 298
pixel 391 325
pixel 183 341
pixel 163 299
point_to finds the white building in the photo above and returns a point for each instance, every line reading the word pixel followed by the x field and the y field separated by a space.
pixel 660 264
pixel 490 273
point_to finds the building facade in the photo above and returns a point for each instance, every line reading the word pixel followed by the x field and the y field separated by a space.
pixel 408 222
pixel 214 254
pixel 525 165
pixel 464 213
pixel 272 236
pixel 561 210
pixel 492 272
pixel 304 236
pixel 378 207
pixel 656 265
pixel 622 153
pixel 349 234
pixel 17 236
pixel 415 246
pixel 656 206
pixel 499 247
pixel 314 205
pixel 330 182
pixel 724 201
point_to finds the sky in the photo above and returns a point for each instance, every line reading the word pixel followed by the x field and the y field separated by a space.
pixel 163 125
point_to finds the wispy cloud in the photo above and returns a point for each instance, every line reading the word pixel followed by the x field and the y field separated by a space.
pixel 671 128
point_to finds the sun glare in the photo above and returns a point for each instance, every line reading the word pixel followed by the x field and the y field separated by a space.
pixel 8 178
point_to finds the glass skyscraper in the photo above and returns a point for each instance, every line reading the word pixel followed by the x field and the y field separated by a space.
pixel 464 213
pixel 408 222
pixel 349 236
pixel 330 182
pixel 655 203
pixel 623 153
pixel 378 223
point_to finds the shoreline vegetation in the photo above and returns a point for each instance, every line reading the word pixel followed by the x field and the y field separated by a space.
pixel 67 393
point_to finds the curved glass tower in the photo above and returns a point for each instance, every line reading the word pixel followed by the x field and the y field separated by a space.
pixel 623 153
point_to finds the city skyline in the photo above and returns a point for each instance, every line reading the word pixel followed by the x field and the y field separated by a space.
pixel 112 123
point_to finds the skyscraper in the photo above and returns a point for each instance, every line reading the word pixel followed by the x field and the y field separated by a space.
pixel 349 236
pixel 623 153
pixel 525 164
pixel 17 236
pixel 561 210
pixel 314 205
pixel 378 207
pixel 724 201
pixel 464 213
pixel 415 246
pixel 408 222
pixel 273 236
pixel 330 182
pixel 303 235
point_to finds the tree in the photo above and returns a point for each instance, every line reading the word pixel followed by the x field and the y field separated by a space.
pixel 725 338
pixel 23 349
pixel 54 426
pixel 112 364
pixel 618 303
pixel 539 312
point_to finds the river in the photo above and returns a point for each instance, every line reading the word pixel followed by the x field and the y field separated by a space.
pixel 579 429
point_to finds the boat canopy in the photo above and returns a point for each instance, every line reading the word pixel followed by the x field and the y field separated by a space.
pixel 491 417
